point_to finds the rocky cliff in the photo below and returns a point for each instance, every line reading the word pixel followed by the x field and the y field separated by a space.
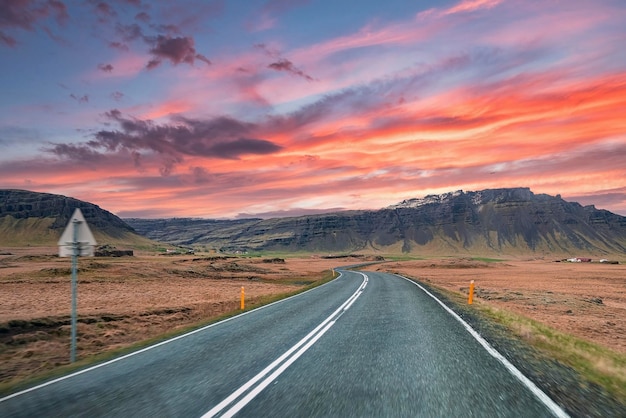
pixel 497 221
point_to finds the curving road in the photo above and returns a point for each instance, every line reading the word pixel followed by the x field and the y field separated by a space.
pixel 364 345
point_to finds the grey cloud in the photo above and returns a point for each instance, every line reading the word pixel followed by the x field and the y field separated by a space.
pixel 167 29
pixel 286 65
pixel 7 40
pixel 200 175
pixel 79 153
pixel 119 45
pixel 165 41
pixel 129 33
pixel 142 17
pixel 220 137
pixel 59 10
pixel 152 64
pixel 177 50
pixel 25 15
pixel 80 99
pixel 232 150
pixel 267 50
pixel 107 68
pixel 104 11
pixel 202 58
pixel 281 64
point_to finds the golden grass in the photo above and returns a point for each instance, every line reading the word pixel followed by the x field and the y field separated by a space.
pixel 593 362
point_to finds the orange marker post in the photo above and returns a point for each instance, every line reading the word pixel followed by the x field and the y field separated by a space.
pixel 243 304
pixel 471 293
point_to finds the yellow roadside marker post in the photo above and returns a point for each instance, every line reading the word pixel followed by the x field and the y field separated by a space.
pixel 471 293
pixel 243 304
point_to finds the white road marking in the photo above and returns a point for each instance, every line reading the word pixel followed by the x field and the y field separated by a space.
pixel 284 361
pixel 534 389
pixel 258 389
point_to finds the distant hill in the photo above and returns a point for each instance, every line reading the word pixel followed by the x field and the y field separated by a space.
pixel 30 218
pixel 497 221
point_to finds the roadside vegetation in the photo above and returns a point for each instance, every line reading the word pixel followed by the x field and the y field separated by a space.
pixel 593 362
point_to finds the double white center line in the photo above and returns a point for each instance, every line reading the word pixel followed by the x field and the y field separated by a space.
pixel 248 391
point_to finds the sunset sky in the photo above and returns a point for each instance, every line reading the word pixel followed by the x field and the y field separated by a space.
pixel 239 108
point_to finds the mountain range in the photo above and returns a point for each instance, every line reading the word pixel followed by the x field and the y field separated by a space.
pixel 494 221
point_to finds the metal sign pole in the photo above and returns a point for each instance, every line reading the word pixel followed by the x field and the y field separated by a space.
pixel 75 245
pixel 76 240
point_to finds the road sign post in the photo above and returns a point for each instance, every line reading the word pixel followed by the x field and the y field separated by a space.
pixel 76 249
pixel 82 243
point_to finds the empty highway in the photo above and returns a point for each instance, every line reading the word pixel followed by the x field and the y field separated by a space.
pixel 364 345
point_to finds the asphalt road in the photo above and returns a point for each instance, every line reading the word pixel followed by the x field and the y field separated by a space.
pixel 364 345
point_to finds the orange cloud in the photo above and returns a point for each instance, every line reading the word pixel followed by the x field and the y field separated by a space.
pixel 168 108
pixel 485 93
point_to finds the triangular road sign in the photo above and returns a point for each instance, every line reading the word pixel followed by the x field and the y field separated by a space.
pixel 83 236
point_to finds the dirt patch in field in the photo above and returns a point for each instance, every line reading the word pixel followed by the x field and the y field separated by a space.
pixel 587 300
pixel 123 300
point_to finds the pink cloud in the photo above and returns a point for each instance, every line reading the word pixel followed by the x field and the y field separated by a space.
pixel 471 5
pixel 455 99
pixel 267 16
pixel 368 37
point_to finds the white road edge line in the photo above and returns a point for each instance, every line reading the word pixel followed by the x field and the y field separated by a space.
pixel 311 337
pixel 134 353
pixel 534 389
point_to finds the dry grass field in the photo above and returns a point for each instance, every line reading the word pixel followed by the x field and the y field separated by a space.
pixel 123 300
pixel 129 299
pixel 587 300
pixel 570 314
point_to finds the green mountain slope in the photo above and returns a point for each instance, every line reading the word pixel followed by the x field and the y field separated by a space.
pixel 38 219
